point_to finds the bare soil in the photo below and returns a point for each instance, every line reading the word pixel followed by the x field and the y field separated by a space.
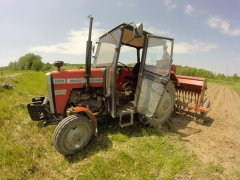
pixel 218 138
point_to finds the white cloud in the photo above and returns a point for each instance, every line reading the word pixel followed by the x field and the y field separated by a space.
pixel 193 47
pixel 184 47
pixel 224 26
pixel 170 4
pixel 189 9
pixel 126 3
pixel 158 31
pixel 75 43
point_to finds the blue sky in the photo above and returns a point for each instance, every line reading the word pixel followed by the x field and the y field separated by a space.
pixel 206 33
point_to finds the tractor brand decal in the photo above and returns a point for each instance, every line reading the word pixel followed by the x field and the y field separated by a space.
pixel 59 81
pixel 96 80
pixel 83 80
pixel 60 92
pixel 75 80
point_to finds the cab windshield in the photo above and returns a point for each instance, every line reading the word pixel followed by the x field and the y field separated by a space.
pixel 107 48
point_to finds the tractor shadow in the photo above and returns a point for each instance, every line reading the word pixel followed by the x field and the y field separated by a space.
pixel 185 124
pixel 108 126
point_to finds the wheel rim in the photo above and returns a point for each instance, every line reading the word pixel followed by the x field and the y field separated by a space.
pixel 75 137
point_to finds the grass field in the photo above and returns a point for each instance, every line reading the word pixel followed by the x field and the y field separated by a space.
pixel 234 84
pixel 136 152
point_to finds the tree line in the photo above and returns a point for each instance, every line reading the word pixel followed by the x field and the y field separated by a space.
pixel 198 72
pixel 29 61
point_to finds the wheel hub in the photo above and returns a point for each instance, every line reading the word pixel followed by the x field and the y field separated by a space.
pixel 74 137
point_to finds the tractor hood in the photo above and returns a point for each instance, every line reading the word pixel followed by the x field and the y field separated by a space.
pixel 60 84
pixel 76 78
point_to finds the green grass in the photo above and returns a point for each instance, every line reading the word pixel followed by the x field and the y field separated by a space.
pixel 67 66
pixel 136 152
pixel 234 84
pixel 5 73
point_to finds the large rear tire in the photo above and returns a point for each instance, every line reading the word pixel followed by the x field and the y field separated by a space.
pixel 166 106
pixel 72 134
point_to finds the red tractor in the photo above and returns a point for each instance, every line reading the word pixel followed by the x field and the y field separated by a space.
pixel 132 74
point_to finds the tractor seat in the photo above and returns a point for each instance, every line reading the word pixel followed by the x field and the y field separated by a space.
pixel 135 72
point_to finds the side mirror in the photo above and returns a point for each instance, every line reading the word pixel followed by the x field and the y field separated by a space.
pixel 138 30
pixel 94 48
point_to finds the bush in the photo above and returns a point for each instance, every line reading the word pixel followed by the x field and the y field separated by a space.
pixel 29 61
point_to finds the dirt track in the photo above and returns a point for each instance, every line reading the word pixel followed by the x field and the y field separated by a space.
pixel 13 75
pixel 218 139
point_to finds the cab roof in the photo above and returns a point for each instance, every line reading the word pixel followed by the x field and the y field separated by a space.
pixel 128 33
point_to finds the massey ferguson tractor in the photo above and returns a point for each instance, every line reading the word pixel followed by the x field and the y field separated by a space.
pixel 132 74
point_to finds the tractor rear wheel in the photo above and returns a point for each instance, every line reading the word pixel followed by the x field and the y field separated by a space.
pixel 72 134
pixel 166 106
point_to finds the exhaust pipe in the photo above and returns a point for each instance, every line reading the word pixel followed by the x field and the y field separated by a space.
pixel 88 54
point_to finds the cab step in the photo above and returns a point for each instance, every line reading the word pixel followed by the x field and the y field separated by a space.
pixel 126 117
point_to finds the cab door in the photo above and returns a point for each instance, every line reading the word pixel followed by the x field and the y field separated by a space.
pixel 154 74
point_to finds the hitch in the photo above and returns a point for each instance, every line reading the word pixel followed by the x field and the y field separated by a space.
pixel 39 111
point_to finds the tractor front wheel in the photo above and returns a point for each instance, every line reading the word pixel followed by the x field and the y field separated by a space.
pixel 72 134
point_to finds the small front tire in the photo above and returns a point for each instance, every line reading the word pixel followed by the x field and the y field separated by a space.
pixel 72 134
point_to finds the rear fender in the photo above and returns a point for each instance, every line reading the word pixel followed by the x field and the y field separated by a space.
pixel 90 115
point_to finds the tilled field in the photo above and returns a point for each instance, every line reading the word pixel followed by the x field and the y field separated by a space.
pixel 218 138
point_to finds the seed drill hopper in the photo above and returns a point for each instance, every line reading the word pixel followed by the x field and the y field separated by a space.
pixel 190 94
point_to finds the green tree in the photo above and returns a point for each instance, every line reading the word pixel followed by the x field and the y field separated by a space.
pixel 30 61
pixel 12 65
pixel 221 76
pixel 46 67
pixel 236 77
pixel 36 65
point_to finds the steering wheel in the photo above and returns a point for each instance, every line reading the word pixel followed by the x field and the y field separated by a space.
pixel 123 65
pixel 120 68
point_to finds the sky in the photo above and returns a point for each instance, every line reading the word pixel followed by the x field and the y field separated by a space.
pixel 206 33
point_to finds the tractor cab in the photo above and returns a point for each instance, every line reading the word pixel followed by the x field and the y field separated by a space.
pixel 137 67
